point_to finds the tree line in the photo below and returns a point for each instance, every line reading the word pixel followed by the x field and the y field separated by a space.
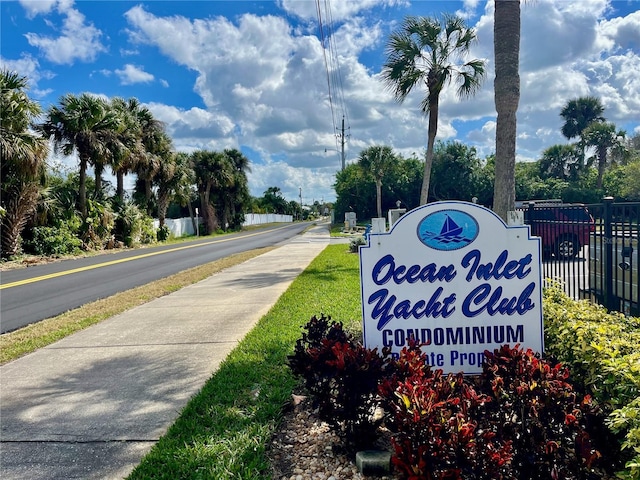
pixel 601 161
pixel 45 210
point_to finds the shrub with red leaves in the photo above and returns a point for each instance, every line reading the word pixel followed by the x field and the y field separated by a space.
pixel 342 377
pixel 537 410
pixel 435 435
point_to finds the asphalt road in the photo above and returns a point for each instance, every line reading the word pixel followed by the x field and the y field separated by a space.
pixel 29 295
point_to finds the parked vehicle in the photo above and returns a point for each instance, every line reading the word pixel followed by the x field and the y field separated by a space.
pixel 623 271
pixel 563 227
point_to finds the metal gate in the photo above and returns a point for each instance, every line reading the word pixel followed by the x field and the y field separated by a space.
pixel 591 249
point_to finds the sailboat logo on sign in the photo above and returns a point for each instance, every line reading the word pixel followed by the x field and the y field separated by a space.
pixel 448 230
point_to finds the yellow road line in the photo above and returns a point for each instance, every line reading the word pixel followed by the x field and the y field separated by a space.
pixel 122 260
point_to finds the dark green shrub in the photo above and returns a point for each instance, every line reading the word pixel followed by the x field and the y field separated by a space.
pixel 163 233
pixel 355 243
pixel 53 241
pixel 236 221
pixel 342 377
pixel 132 225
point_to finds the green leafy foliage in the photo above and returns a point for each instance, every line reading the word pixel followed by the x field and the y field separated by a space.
pixel 53 241
pixel 601 349
pixel 163 233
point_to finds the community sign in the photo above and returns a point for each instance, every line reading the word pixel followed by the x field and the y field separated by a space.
pixel 458 280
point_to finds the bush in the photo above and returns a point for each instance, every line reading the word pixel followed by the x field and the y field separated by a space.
pixel 53 241
pixel 132 226
pixel 520 419
pixel 342 377
pixel 355 243
pixel 163 233
pixel 536 409
pixel 601 349
pixel 434 432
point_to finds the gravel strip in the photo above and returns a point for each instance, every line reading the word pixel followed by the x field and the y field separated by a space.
pixel 303 449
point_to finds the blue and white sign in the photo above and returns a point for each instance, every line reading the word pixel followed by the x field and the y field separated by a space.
pixel 456 278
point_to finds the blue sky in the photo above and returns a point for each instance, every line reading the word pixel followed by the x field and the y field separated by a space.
pixel 253 75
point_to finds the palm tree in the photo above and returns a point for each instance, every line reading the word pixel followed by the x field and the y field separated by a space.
pixel 604 137
pixel 129 150
pixel 579 113
pixel 375 161
pixel 166 180
pixel 236 197
pixel 184 179
pixel 423 51
pixel 22 160
pixel 506 48
pixel 212 170
pixel 560 161
pixel 157 145
pixel 84 124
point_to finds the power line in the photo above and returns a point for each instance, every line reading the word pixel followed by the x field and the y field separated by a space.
pixel 333 74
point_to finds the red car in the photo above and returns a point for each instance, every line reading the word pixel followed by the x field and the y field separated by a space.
pixel 564 228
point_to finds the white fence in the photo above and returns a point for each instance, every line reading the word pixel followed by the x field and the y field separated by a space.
pixel 184 226
pixel 177 226
pixel 260 218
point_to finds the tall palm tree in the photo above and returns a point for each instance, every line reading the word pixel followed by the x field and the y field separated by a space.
pixel 604 137
pixel 84 124
pixel 129 149
pixel 375 161
pixel 236 197
pixel 212 170
pixel 424 52
pixel 157 145
pixel 506 48
pixel 184 179
pixel 166 180
pixel 22 160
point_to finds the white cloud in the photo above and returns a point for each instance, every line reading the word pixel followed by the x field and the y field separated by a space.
pixel 132 74
pixel 623 31
pixel 38 7
pixel 77 41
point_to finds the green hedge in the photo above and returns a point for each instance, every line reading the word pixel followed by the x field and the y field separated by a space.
pixel 602 350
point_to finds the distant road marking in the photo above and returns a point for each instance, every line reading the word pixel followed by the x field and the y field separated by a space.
pixel 122 260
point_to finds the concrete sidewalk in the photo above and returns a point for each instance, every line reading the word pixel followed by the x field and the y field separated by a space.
pixel 93 404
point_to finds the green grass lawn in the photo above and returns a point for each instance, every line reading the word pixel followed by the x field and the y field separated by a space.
pixel 224 430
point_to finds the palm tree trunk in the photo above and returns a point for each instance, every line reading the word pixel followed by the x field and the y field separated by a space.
pixel 18 210
pixel 120 185
pixel 98 169
pixel 147 195
pixel 506 42
pixel 82 188
pixel 163 204
pixel 602 163
pixel 379 197
pixel 431 139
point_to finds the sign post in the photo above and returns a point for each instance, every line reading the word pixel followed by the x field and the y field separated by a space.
pixel 458 280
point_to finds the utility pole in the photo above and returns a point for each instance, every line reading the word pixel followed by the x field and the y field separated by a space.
pixel 342 142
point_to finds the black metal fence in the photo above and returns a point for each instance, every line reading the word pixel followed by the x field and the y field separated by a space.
pixel 592 249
